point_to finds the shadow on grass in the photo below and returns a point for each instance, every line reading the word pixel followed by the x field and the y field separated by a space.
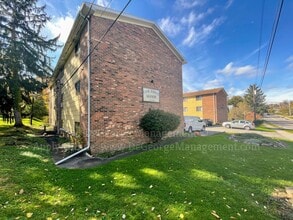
pixel 190 179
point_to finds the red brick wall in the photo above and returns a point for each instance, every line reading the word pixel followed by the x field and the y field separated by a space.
pixel 222 107
pixel 208 103
pixel 215 107
pixel 129 58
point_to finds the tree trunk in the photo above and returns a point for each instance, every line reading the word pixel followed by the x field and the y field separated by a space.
pixel 17 117
pixel 16 101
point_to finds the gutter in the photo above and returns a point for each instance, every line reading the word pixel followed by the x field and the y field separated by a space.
pixel 88 97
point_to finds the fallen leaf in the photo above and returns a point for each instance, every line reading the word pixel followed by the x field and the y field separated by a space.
pixel 21 191
pixel 29 214
pixel 215 214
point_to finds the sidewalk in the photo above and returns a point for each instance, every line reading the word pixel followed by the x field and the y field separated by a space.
pixel 283 134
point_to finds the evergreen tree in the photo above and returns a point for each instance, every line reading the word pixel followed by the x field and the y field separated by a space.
pixel 255 99
pixel 235 100
pixel 24 63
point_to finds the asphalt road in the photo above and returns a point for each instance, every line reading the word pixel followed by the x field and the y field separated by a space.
pixel 279 121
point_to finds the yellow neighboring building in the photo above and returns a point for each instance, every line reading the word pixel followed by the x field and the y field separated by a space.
pixel 192 106
pixel 206 104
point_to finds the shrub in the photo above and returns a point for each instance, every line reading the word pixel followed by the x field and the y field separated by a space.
pixel 156 123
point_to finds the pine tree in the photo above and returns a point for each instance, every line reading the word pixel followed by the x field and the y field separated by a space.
pixel 23 60
pixel 255 99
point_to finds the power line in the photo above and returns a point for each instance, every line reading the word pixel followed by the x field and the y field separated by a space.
pixel 274 30
pixel 260 40
pixel 84 18
pixel 97 44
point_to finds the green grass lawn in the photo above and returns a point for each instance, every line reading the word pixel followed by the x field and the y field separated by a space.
pixel 196 179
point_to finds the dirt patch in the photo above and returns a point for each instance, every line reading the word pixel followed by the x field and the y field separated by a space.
pixel 282 199
pixel 258 140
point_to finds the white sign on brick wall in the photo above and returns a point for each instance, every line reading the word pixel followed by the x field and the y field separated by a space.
pixel 151 95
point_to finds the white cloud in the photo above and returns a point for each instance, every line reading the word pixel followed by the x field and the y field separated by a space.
pixel 190 19
pixel 215 83
pixel 194 18
pixel 229 69
pixel 103 3
pixel 289 61
pixel 276 95
pixel 169 26
pixel 188 3
pixel 207 29
pixel 202 34
pixel 60 26
pixel 235 92
pixel 229 3
pixel 191 38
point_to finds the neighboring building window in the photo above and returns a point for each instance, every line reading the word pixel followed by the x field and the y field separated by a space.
pixel 77 87
pixel 185 109
pixel 77 48
pixel 199 108
pixel 198 98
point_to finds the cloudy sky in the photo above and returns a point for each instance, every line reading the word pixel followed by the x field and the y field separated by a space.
pixel 222 40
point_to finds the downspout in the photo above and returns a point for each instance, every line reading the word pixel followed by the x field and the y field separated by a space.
pixel 215 109
pixel 88 96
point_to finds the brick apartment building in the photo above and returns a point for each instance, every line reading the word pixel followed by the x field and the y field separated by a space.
pixel 206 104
pixel 133 69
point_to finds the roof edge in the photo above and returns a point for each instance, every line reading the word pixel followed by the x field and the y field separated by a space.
pixel 204 92
pixel 112 14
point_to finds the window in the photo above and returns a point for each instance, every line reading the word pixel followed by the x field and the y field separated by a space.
pixel 185 109
pixel 198 98
pixel 76 127
pixel 77 48
pixel 77 87
pixel 199 108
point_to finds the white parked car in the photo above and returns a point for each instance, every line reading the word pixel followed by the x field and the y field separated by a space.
pixel 193 123
pixel 247 125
